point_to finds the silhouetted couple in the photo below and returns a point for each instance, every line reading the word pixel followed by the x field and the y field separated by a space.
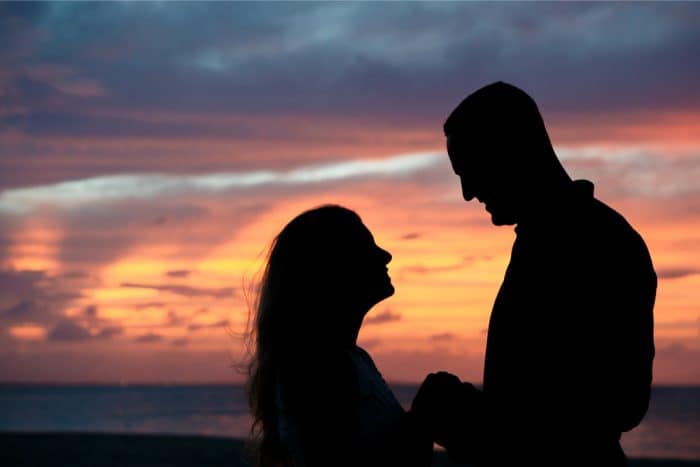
pixel 570 340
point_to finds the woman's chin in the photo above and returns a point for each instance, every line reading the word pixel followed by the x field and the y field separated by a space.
pixel 387 291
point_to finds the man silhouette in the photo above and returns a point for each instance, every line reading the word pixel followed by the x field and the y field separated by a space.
pixel 569 351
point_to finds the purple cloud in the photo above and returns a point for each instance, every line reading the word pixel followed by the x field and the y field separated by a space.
pixel 178 273
pixel 445 336
pixel 385 316
pixel 187 291
pixel 148 338
pixel 676 273
pixel 67 330
pixel 218 324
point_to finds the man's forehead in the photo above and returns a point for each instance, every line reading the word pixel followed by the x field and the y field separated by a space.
pixel 457 146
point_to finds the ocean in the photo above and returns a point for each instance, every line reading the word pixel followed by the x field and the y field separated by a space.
pixel 671 429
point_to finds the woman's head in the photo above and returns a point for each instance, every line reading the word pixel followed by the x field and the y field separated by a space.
pixel 324 272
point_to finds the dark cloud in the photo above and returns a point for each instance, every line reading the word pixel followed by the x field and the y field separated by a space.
pixel 382 317
pixel 90 311
pixel 148 338
pixel 676 273
pixel 185 290
pixel 370 343
pixel 219 324
pixel 421 269
pixel 180 342
pixel 99 234
pixel 403 64
pixel 445 336
pixel 75 275
pixel 35 296
pixel 109 331
pixel 96 234
pixel 20 282
pixel 173 319
pixel 178 273
pixel 26 310
pixel 68 330
pixel 679 324
pixel 411 236
pixel 141 306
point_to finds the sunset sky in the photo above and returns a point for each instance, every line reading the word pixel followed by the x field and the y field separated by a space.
pixel 149 152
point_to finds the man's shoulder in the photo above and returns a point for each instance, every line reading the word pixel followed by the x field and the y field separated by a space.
pixel 610 223
pixel 614 236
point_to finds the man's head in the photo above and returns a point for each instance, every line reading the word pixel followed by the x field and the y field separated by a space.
pixel 499 148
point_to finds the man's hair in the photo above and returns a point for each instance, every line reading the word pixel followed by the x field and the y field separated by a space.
pixel 496 106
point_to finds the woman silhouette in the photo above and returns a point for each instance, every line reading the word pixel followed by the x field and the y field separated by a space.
pixel 316 397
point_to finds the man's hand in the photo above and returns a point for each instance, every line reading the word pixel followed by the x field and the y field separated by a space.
pixel 448 407
pixel 436 400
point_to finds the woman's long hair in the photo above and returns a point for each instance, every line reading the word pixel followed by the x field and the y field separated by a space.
pixel 296 286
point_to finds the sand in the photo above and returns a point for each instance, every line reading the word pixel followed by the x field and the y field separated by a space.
pixel 112 450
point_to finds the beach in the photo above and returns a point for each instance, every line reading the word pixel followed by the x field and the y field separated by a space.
pixel 115 450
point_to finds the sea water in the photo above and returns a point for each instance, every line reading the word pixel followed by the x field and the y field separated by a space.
pixel 670 430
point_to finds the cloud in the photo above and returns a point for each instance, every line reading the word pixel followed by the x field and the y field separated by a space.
pixel 411 236
pixel 139 186
pixel 26 310
pixel 23 282
pixel 141 306
pixel 419 269
pixel 219 324
pixel 184 290
pixel 178 273
pixel 676 273
pixel 636 171
pixel 29 295
pixel 422 269
pixel 109 331
pixel 68 330
pixel 686 324
pixel 75 275
pixel 90 311
pixel 72 78
pixel 388 59
pixel 385 316
pixel 148 338
pixel 445 336
pixel 180 342
pixel 173 319
pixel 369 343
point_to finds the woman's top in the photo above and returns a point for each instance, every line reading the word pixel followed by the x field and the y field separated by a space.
pixel 375 412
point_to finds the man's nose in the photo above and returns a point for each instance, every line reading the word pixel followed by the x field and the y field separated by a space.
pixel 467 193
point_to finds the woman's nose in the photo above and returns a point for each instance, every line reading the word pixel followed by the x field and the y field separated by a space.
pixel 385 255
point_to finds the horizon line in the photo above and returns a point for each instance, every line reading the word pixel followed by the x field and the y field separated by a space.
pixel 227 383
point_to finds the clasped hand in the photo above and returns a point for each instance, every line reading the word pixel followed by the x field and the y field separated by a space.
pixel 446 406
